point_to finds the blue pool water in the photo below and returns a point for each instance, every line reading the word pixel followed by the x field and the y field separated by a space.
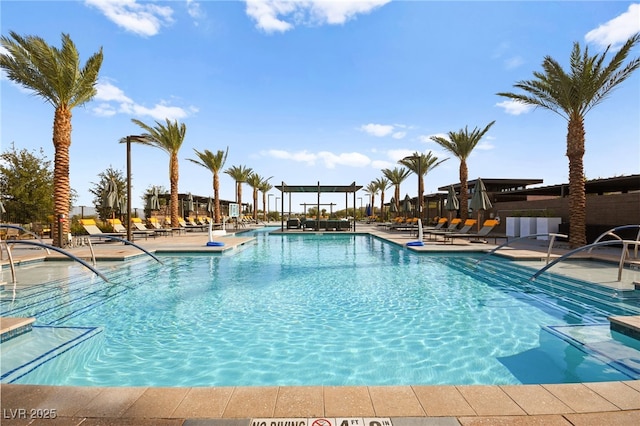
pixel 313 310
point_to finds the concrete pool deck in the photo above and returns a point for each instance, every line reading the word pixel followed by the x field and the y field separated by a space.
pixel 563 404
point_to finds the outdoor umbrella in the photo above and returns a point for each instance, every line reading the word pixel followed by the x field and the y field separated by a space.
pixel 154 200
pixel 2 210
pixel 190 203
pixel 110 196
pixel 392 206
pixel 480 200
pixel 122 205
pixel 210 206
pixel 452 203
pixel 406 205
pixel 368 210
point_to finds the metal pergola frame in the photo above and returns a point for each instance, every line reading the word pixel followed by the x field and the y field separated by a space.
pixel 318 189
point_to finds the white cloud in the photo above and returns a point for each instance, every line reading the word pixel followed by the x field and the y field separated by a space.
pixel 427 138
pixel 379 130
pixel 144 19
pixel 513 107
pixel 300 156
pixel 113 101
pixel 329 159
pixel 399 135
pixel 352 159
pixel 616 31
pixel 194 10
pixel 513 62
pixel 283 15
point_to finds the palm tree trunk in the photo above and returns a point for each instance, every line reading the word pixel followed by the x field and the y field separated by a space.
pixel 420 197
pixel 382 206
pixel 577 197
pixel 173 179
pixel 464 190
pixel 61 143
pixel 216 201
pixel 255 204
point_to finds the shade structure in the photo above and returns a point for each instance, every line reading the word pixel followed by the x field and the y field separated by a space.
pixel 480 200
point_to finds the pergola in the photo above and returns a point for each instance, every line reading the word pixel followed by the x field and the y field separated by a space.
pixel 318 189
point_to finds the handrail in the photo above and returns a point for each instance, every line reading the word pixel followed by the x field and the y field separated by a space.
pixel 625 244
pixel 11 265
pixel 553 236
pixel 127 242
pixel 7 225
pixel 59 250
pixel 611 233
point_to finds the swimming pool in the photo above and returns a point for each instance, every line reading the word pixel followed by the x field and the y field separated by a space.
pixel 314 310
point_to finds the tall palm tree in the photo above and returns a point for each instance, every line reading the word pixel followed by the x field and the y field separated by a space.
pixel 372 190
pixel 254 181
pixel 168 138
pixel 56 76
pixel 383 184
pixel 421 164
pixel 396 177
pixel 571 95
pixel 265 187
pixel 239 174
pixel 214 163
pixel 461 144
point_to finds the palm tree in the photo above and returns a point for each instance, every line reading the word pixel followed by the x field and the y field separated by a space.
pixel 214 163
pixel 383 184
pixel 168 138
pixel 239 174
pixel 421 164
pixel 571 95
pixel 372 190
pixel 396 177
pixel 56 76
pixel 460 144
pixel 255 181
pixel 265 187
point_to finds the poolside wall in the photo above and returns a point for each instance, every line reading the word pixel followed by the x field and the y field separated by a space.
pixel 603 211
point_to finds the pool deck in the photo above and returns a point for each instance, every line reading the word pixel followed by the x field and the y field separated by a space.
pixel 562 404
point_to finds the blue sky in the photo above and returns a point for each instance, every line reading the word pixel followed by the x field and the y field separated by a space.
pixel 332 91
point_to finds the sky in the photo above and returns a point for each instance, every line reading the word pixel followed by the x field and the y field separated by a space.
pixel 333 92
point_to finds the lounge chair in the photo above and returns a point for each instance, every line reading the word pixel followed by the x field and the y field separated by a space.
pixel 466 228
pixel 121 230
pixel 484 232
pixel 92 229
pixel 141 227
pixel 453 227
pixel 440 225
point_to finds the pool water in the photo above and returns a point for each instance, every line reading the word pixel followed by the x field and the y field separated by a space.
pixel 312 310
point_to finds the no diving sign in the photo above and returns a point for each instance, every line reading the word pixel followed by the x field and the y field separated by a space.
pixel 324 421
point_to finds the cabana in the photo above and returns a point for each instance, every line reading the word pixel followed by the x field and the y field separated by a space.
pixel 318 189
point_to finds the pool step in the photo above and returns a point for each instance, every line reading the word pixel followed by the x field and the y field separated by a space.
pixel 598 304
pixel 627 325
pixel 11 327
